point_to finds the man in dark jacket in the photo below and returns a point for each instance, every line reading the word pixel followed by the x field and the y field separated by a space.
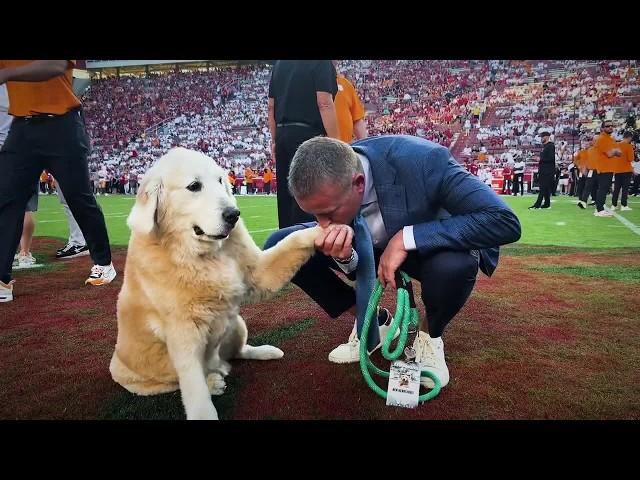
pixel 546 172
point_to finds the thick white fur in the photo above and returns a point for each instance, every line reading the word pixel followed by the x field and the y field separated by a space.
pixel 178 310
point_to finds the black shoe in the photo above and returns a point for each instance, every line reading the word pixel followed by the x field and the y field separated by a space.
pixel 533 207
pixel 592 204
pixel 548 206
pixel 72 251
pixel 581 204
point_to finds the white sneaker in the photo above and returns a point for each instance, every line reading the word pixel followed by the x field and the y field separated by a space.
pixel 614 207
pixel 6 291
pixel 625 209
pixel 603 213
pixel 430 357
pixel 350 352
pixel 101 275
pixel 26 261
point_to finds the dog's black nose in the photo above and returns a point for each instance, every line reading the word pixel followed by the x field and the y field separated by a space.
pixel 231 215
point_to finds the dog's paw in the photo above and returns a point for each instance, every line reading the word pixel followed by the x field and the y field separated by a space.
pixel 206 411
pixel 263 352
pixel 216 383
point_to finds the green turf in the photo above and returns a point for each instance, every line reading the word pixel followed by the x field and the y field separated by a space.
pixel 258 212
pixel 605 272
pixel 563 225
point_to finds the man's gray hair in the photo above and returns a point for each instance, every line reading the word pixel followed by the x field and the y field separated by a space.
pixel 320 161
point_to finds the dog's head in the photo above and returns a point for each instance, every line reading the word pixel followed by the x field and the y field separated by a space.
pixel 187 196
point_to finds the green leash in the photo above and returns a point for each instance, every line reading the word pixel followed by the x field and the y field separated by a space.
pixel 405 318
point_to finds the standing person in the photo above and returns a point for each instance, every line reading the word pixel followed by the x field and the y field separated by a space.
pixel 636 177
pixel 267 178
pixel 48 131
pixel 606 153
pixel 546 172
pixel 623 169
pixel 349 110
pixel 301 94
pixel 591 176
pixel 518 176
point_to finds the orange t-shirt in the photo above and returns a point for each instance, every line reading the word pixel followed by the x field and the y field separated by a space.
pixel 267 177
pixel 53 96
pixel 349 108
pixel 603 144
pixel 592 158
pixel 248 176
pixel 623 164
pixel 582 158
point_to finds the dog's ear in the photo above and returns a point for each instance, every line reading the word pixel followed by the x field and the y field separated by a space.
pixel 143 216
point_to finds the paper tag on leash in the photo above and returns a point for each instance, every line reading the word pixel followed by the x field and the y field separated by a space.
pixel 404 384
pixel 590 174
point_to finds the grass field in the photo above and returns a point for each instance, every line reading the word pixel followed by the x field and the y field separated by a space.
pixel 553 334
pixel 562 225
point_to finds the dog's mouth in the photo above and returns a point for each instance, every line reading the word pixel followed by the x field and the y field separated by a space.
pixel 206 237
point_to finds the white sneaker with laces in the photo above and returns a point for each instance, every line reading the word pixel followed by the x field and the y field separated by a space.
pixel 6 291
pixel 26 261
pixel 430 357
pixel 350 352
pixel 602 213
pixel 101 275
pixel 625 209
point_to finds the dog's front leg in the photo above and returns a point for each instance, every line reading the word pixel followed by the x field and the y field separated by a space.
pixel 186 348
pixel 278 264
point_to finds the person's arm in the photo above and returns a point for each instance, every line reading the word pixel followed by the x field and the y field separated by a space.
pixel 36 71
pixel 360 129
pixel 479 218
pixel 328 113
pixel 272 125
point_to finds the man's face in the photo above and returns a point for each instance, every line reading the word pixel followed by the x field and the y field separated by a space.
pixel 608 127
pixel 331 204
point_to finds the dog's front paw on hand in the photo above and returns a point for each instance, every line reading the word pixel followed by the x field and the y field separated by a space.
pixel 216 383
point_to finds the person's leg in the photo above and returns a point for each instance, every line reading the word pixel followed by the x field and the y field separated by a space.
pixel 447 279
pixel 616 189
pixel 288 139
pixel 624 186
pixel 67 148
pixel 636 185
pixel 604 182
pixel 549 185
pixel 580 187
pixel 538 201
pixel 76 238
pixel 594 187
pixel 20 172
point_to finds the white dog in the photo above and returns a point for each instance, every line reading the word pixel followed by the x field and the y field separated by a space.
pixel 190 264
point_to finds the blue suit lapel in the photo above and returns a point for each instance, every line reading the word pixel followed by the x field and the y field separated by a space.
pixel 391 197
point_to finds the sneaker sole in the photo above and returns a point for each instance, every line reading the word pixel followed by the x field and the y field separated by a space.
pixel 6 299
pixel 97 282
pixel 26 267
pixel 81 254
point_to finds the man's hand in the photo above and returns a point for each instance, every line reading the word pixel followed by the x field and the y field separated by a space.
pixel 273 151
pixel 393 256
pixel 335 241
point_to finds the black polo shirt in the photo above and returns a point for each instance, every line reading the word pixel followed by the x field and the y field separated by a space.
pixel 293 87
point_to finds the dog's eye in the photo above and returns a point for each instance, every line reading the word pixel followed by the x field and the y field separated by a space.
pixel 194 186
